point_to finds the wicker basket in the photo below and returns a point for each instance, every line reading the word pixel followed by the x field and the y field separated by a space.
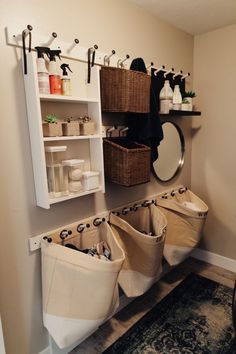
pixel 125 90
pixel 126 162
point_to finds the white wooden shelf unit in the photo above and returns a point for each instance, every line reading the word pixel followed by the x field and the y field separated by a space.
pixel 84 147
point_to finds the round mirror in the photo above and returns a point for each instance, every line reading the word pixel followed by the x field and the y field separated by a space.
pixel 171 153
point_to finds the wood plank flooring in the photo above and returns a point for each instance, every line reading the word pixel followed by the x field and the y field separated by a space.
pixel 122 321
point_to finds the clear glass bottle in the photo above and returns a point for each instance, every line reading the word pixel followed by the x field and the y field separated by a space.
pixel 166 96
pixel 57 173
pixel 177 98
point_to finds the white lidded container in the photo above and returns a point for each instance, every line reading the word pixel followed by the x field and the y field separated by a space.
pixel 75 171
pixel 57 173
pixel 90 180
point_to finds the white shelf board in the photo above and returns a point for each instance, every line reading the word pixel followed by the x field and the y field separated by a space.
pixel 74 137
pixel 72 196
pixel 70 99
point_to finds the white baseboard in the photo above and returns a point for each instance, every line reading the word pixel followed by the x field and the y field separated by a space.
pixel 215 259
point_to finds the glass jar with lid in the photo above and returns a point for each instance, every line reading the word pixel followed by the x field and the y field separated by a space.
pixel 75 172
pixel 57 173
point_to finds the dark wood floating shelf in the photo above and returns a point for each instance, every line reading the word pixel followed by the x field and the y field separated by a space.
pixel 174 112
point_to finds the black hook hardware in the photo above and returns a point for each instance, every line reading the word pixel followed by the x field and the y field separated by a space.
pixel 182 190
pixel 49 239
pixel 150 65
pixel 162 68
pixel 54 34
pixel 126 210
pixel 98 221
pixel 65 233
pixel 146 203
pixel 120 62
pixel 81 227
pixel 179 73
pixel 184 76
pixel 136 206
pixel 76 41
pixel 117 213
pixel 107 57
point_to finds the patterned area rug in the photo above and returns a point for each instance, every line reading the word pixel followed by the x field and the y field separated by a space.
pixel 196 317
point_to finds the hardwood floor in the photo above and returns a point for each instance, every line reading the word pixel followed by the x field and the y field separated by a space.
pixel 123 320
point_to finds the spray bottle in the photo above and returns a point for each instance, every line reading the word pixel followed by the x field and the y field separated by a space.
pixel 65 80
pixel 54 74
pixel 43 75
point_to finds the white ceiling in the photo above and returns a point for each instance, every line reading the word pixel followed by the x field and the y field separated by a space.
pixel 193 16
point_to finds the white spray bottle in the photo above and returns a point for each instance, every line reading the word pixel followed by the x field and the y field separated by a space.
pixel 43 75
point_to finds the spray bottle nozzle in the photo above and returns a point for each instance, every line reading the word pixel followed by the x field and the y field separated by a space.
pixel 64 68
pixel 53 54
pixel 41 51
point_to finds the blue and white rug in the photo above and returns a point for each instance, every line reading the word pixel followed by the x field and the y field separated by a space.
pixel 196 317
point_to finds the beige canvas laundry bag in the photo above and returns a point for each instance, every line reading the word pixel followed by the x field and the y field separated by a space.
pixel 79 291
pixel 143 253
pixel 186 214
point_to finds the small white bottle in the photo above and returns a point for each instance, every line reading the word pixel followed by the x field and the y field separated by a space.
pixel 166 96
pixel 177 98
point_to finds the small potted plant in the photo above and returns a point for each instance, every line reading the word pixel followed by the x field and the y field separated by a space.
pixel 87 126
pixel 51 126
pixel 70 127
pixel 188 96
pixel 185 105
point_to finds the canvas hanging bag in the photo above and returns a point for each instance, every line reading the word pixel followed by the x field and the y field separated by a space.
pixel 79 291
pixel 186 214
pixel 143 253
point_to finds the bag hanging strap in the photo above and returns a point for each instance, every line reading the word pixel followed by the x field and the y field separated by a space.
pixel 25 33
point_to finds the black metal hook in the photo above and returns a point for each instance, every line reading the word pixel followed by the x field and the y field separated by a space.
pixel 146 203
pixel 49 239
pixel 98 221
pixel 120 62
pixel 81 227
pixel 107 57
pixel 65 233
pixel 182 190
pixel 126 210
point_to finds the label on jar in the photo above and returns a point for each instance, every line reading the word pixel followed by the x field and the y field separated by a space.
pixel 55 84
pixel 43 82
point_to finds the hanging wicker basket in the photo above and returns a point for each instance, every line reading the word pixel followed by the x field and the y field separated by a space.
pixel 124 90
pixel 126 162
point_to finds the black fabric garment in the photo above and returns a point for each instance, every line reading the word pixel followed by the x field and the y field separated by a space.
pixel 146 128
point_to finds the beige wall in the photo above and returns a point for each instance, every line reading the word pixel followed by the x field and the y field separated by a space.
pixel 111 24
pixel 214 143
